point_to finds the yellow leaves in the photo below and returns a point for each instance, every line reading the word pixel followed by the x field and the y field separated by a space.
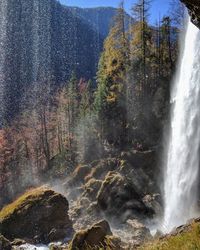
pixel 111 98
pixel 115 49
pixel 115 91
pixel 114 60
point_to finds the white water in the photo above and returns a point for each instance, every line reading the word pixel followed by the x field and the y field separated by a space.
pixel 182 163
pixel 32 247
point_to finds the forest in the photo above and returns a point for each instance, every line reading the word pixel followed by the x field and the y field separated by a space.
pixel 85 120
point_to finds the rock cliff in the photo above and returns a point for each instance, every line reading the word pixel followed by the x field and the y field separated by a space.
pixel 194 10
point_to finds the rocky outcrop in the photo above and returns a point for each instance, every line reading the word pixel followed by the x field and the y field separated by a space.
pixel 40 215
pixel 114 187
pixel 92 237
pixel 194 10
pixel 118 197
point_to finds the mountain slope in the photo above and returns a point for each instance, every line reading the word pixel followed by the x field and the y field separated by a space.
pixel 41 41
pixel 100 18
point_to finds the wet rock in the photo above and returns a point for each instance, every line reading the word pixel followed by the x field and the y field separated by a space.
pixel 18 242
pixel 4 243
pixel 153 201
pixel 118 197
pixel 74 192
pixel 92 237
pixel 139 231
pixel 133 233
pixel 40 215
pixel 194 10
pixel 79 175
pixel 54 246
pixel 91 188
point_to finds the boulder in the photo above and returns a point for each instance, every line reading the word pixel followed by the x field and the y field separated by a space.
pixel 118 197
pixel 40 215
pixel 93 237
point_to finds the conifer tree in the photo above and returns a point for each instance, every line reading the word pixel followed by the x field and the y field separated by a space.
pixel 141 44
pixel 110 99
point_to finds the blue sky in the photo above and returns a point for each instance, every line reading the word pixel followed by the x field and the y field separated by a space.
pixel 159 7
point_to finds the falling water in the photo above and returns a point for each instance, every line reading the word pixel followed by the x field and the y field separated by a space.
pixel 182 164
pixel 3 24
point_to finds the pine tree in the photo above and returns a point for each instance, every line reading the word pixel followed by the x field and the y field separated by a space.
pixel 141 42
pixel 110 98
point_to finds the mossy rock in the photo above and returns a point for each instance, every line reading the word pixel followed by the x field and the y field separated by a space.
pixel 40 215
pixel 100 168
pixel 91 238
pixel 91 188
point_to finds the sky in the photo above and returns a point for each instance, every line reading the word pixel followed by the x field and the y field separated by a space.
pixel 159 7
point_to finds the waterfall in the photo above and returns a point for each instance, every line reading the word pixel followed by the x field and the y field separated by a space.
pixel 3 30
pixel 182 153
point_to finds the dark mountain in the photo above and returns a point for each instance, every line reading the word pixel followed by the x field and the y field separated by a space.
pixel 100 18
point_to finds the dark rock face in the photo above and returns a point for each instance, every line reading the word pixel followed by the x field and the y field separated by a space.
pixel 118 197
pixel 40 215
pixel 194 10
pixel 100 18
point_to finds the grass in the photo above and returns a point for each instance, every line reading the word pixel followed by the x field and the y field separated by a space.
pixel 26 200
pixel 189 240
